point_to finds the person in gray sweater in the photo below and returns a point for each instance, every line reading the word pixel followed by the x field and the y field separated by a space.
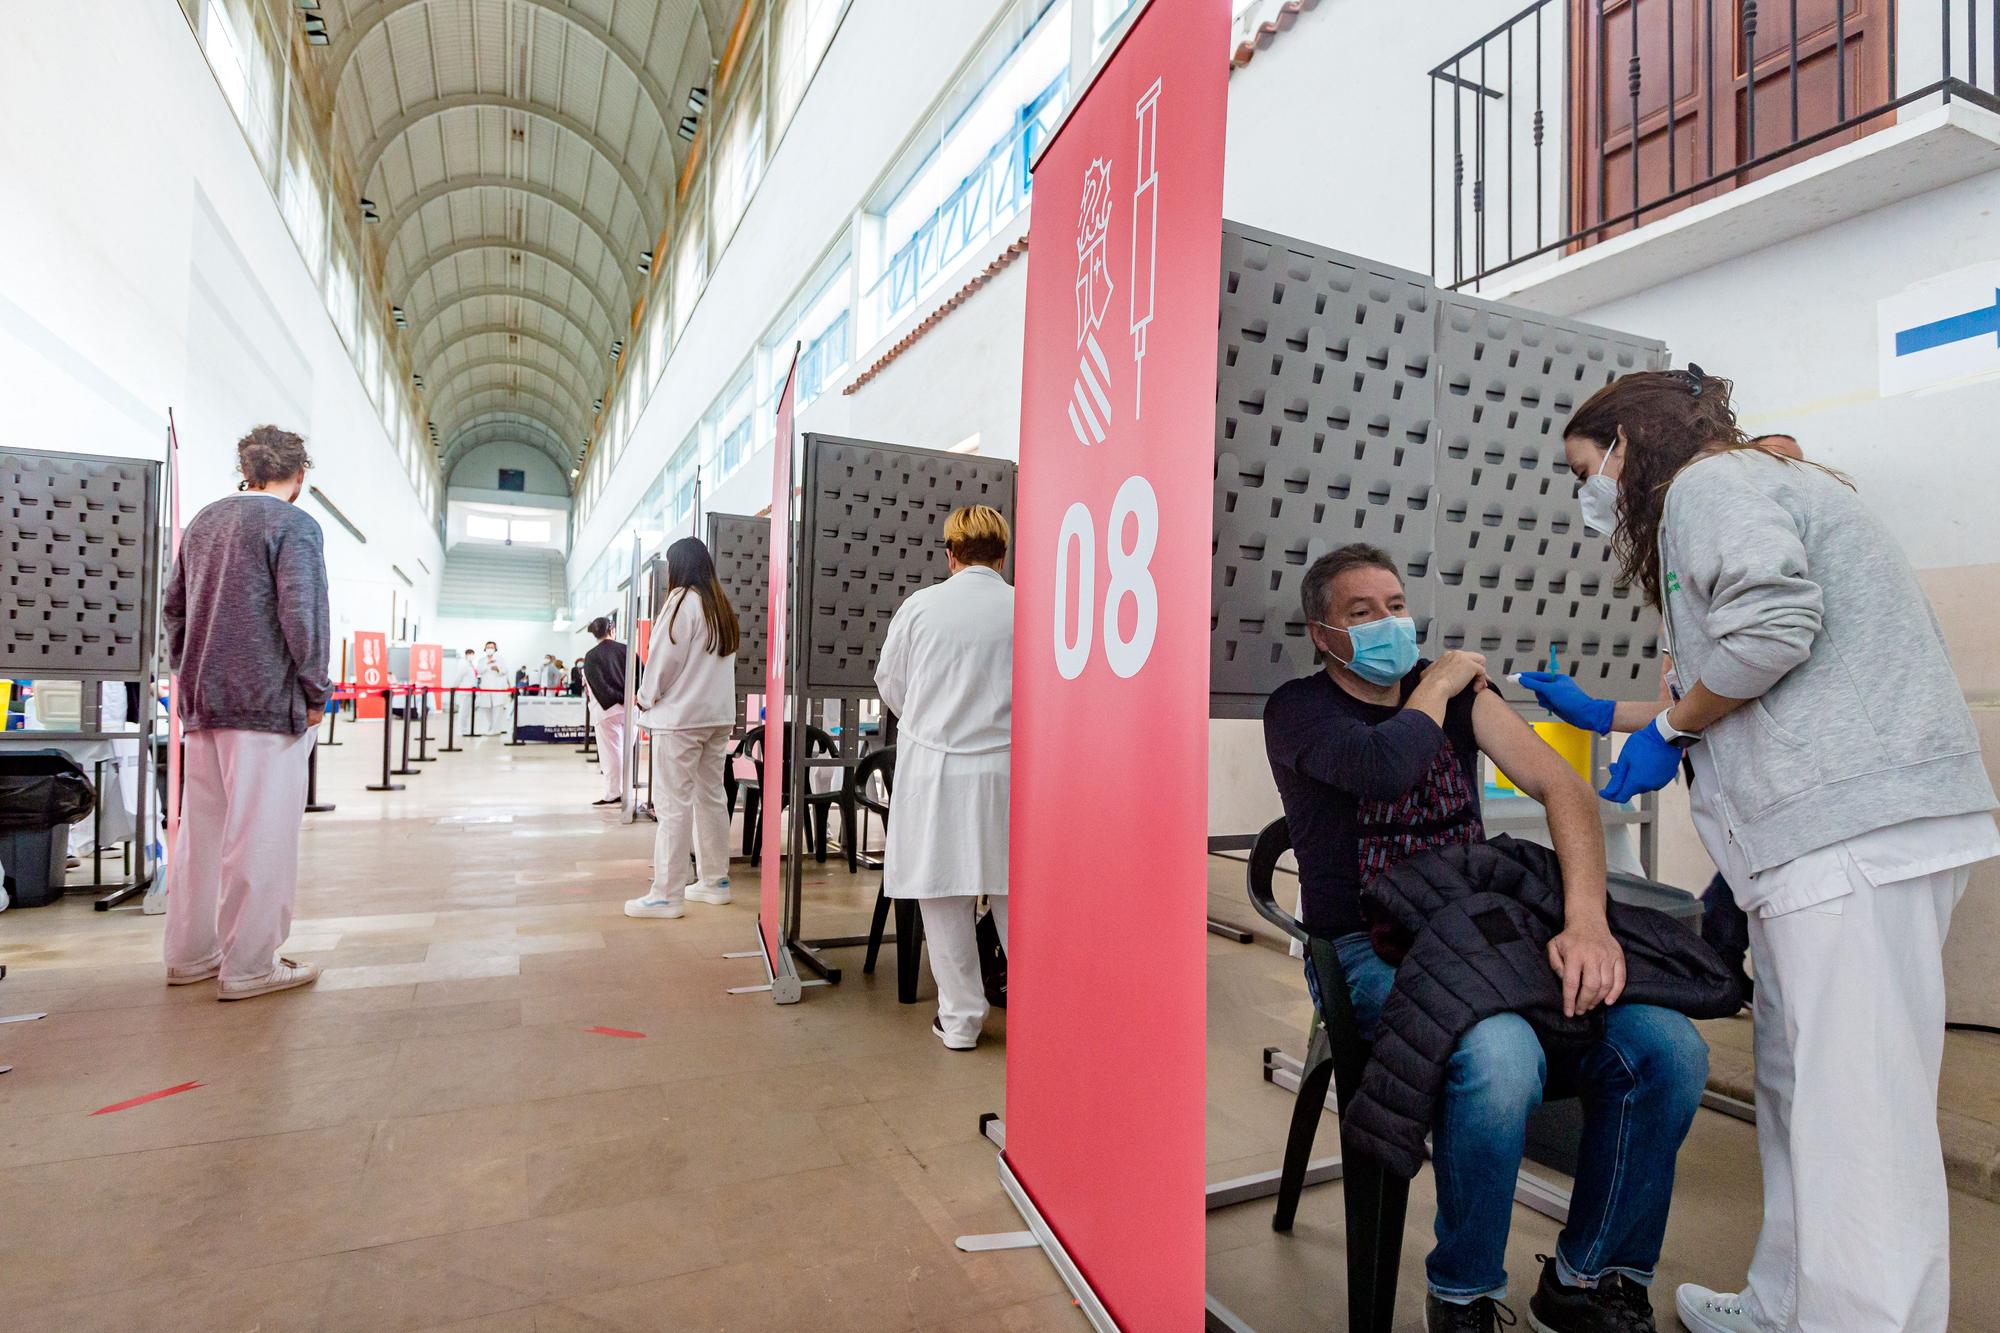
pixel 1838 786
pixel 247 636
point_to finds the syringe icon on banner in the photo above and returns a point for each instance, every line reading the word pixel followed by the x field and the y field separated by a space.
pixel 1145 234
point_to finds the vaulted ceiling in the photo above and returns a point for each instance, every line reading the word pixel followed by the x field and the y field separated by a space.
pixel 521 155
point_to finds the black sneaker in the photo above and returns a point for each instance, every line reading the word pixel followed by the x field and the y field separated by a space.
pixel 1484 1315
pixel 1617 1305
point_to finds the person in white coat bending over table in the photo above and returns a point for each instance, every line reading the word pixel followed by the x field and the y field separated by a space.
pixel 947 673
pixel 687 699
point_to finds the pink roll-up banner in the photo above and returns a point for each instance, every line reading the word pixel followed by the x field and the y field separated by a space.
pixel 1107 966
pixel 771 869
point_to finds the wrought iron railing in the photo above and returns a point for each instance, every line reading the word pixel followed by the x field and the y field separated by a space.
pixel 1578 120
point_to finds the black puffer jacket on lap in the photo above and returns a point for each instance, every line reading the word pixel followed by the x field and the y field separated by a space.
pixel 1478 919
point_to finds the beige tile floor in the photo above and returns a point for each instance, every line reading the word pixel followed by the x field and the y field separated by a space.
pixel 430 1138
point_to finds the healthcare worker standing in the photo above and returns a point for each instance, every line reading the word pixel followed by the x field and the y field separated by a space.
pixel 493 679
pixel 947 672
pixel 1838 785
pixel 687 699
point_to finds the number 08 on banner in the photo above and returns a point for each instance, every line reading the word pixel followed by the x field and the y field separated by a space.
pixel 1129 579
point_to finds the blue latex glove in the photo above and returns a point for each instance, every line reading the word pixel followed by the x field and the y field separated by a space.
pixel 1647 763
pixel 1567 700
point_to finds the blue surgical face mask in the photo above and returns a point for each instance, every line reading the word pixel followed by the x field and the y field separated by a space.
pixel 1384 650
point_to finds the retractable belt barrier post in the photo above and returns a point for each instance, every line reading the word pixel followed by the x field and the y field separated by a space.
pixel 332 717
pixel 451 745
pixel 314 806
pixel 472 716
pixel 589 747
pixel 424 755
pixel 514 730
pixel 385 784
pixel 405 770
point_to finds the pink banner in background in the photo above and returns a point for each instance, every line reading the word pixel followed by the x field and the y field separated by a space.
pixel 771 898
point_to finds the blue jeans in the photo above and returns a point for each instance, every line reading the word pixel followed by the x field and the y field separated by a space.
pixel 1640 1084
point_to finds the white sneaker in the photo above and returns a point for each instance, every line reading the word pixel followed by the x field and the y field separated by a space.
pixel 285 976
pixel 717 893
pixel 1705 1311
pixel 951 1044
pixel 652 907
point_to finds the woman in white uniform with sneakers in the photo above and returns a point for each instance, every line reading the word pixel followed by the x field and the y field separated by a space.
pixel 687 700
pixel 1839 788
pixel 947 673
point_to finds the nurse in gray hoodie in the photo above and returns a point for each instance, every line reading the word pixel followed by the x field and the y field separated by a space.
pixel 1840 789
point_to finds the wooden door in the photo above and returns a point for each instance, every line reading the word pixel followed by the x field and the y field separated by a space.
pixel 1709 126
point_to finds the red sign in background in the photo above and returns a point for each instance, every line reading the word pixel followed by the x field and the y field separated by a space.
pixel 1106 1025
pixel 371 671
pixel 427 667
pixel 771 896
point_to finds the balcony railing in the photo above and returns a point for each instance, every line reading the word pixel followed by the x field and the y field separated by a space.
pixel 1578 120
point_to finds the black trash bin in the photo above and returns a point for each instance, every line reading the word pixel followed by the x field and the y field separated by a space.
pixel 42 792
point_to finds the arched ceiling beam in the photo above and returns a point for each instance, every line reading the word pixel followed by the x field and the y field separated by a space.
pixel 591 337
pixel 405 209
pixel 453 375
pixel 516 424
pixel 553 411
pixel 430 259
pixel 481 330
pixel 504 432
pixel 364 19
pixel 651 202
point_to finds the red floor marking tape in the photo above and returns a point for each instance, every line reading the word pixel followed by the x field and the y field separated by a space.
pixel 149 1097
pixel 603 1032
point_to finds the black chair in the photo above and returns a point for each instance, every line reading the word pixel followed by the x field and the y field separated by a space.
pixel 909 920
pixel 1375 1200
pixel 819 805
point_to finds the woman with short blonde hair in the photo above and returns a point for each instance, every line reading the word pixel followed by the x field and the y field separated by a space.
pixel 947 672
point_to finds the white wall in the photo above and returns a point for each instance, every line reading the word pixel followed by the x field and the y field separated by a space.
pixel 845 133
pixel 480 468
pixel 144 265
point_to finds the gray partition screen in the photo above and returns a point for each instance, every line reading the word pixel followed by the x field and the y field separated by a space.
pixel 81 537
pixel 741 546
pixel 871 534
pixel 1357 402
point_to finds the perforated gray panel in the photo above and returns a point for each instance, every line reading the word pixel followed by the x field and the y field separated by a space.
pixel 872 533
pixel 741 546
pixel 80 536
pixel 1323 422
pixel 1517 570
pixel 1356 402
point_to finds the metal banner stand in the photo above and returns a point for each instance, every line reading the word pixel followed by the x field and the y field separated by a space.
pixel 628 811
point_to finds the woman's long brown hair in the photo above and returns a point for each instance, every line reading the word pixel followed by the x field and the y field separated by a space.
pixel 690 567
pixel 1669 418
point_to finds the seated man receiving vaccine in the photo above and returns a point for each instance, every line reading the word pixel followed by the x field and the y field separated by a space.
pixel 1377 758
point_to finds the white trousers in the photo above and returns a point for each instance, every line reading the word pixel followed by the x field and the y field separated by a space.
pixel 611 750
pixel 1849 1036
pixel 951 938
pixel 688 803
pixel 496 714
pixel 236 862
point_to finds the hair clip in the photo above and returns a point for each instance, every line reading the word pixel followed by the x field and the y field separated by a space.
pixel 1694 378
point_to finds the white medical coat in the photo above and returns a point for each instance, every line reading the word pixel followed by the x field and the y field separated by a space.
pixel 947 672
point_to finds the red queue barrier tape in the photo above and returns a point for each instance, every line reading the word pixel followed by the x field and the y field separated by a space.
pixel 614 1032
pixel 149 1097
